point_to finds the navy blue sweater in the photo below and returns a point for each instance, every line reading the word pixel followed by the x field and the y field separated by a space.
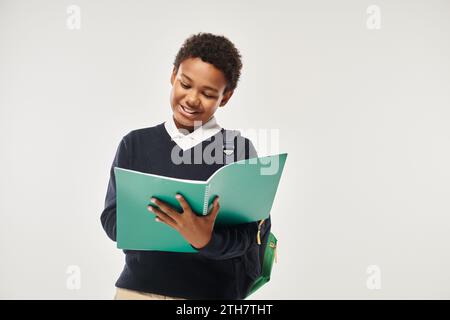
pixel 225 268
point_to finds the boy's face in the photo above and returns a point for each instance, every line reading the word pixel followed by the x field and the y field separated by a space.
pixel 197 91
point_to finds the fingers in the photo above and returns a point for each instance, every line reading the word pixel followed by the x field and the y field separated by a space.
pixel 215 210
pixel 186 207
pixel 163 217
pixel 164 207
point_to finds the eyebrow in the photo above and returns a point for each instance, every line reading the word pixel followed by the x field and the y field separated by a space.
pixel 206 87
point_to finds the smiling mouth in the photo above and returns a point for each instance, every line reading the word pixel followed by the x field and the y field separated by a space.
pixel 188 110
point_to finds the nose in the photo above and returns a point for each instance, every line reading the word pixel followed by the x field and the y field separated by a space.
pixel 192 100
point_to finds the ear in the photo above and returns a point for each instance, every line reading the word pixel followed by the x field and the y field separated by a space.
pixel 226 97
pixel 174 74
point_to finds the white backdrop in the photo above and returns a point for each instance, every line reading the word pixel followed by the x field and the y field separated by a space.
pixel 359 91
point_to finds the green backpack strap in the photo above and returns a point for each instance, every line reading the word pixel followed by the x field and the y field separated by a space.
pixel 270 254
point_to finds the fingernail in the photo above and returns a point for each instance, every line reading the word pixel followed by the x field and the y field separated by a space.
pixel 178 196
pixel 150 208
pixel 156 219
pixel 153 199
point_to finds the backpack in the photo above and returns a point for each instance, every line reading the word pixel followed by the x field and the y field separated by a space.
pixel 268 245
pixel 269 254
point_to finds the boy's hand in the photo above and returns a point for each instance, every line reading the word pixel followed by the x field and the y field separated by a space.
pixel 197 230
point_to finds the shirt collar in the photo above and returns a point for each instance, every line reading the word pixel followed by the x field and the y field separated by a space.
pixel 187 141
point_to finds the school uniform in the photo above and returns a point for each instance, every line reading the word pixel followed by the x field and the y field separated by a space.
pixel 223 269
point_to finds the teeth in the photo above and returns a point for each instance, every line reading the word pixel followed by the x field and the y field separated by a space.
pixel 188 110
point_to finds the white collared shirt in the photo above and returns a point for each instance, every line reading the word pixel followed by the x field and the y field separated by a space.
pixel 187 141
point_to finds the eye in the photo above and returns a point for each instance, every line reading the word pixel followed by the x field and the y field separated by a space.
pixel 185 86
pixel 208 96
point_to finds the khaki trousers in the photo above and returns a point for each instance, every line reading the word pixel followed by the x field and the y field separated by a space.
pixel 126 294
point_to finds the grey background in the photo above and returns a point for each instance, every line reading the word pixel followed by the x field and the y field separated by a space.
pixel 362 113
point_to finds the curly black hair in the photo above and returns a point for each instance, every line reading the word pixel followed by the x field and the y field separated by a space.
pixel 216 50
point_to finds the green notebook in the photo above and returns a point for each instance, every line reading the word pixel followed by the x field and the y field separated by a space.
pixel 246 189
